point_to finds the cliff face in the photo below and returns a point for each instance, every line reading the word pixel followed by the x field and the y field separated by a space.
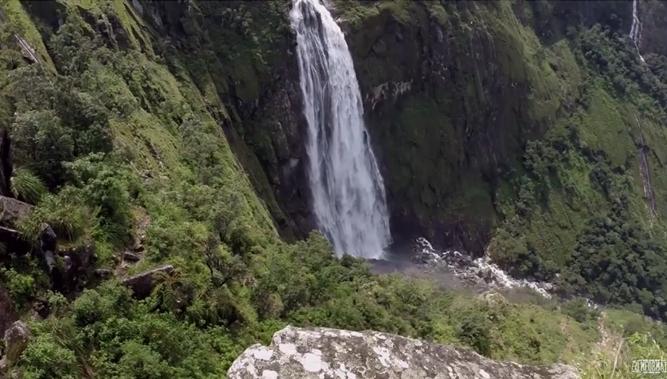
pixel 250 65
pixel 453 95
pixel 653 15
pixel 333 353
pixel 454 92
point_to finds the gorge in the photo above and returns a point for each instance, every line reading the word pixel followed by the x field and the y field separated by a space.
pixel 183 181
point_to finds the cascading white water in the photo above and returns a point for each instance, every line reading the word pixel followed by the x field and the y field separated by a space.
pixel 636 29
pixel 347 189
pixel 480 271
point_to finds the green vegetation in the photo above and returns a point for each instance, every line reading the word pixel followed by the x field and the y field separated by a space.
pixel 27 187
pixel 580 209
pixel 119 139
pixel 532 136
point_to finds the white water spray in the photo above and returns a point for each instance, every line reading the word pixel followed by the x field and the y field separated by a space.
pixel 636 29
pixel 480 271
pixel 346 185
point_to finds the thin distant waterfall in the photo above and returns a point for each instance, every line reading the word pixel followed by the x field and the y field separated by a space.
pixel 636 29
pixel 347 188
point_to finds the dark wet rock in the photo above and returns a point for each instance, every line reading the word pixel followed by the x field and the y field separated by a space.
pixel 47 238
pixel 11 212
pixel 103 273
pixel 6 167
pixel 14 241
pixel 142 284
pixel 41 309
pixel 78 266
pixel 333 353
pixel 7 313
pixel 653 16
pixel 130 257
pixel 47 246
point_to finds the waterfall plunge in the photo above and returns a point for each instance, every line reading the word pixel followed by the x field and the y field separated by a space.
pixel 347 189
pixel 636 29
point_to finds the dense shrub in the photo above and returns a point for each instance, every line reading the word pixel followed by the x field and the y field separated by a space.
pixel 42 144
pixel 47 358
pixel 68 215
pixel 21 286
pixel 616 262
pixel 617 59
pixel 105 185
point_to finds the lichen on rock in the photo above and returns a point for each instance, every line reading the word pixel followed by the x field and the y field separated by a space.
pixel 334 353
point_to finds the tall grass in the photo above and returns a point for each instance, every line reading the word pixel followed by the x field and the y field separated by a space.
pixel 70 218
pixel 27 186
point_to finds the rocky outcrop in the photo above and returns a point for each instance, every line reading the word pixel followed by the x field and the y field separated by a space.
pixel 78 267
pixel 16 340
pixel 28 51
pixel 7 313
pixel 332 353
pixel 5 163
pixel 142 284
pixel 12 210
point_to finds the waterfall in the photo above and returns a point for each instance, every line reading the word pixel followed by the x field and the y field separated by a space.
pixel 636 29
pixel 347 188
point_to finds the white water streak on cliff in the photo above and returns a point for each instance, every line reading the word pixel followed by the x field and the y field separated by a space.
pixel 347 188
pixel 636 29
pixel 645 173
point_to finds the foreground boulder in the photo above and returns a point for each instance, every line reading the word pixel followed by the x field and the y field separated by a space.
pixel 333 353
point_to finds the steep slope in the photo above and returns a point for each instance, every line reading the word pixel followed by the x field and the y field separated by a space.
pixel 517 129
